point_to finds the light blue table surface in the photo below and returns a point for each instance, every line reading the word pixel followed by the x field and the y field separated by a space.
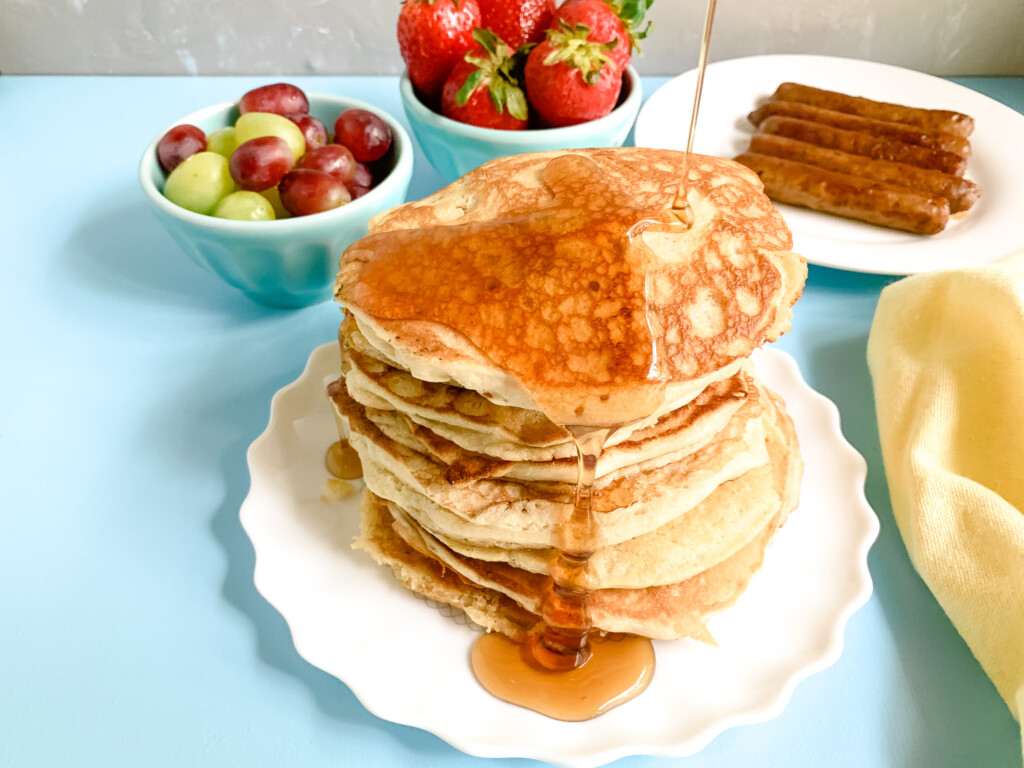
pixel 131 384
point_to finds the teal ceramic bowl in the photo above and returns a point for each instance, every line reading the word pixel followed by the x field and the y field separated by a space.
pixel 289 262
pixel 454 148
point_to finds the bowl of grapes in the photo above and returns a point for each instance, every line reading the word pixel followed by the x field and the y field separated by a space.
pixel 267 191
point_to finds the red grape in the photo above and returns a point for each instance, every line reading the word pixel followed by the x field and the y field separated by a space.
pixel 363 176
pixel 362 181
pixel 260 163
pixel 365 134
pixel 279 98
pixel 305 191
pixel 314 130
pixel 179 143
pixel 333 159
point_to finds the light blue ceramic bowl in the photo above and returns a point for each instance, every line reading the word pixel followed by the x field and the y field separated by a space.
pixel 289 262
pixel 454 148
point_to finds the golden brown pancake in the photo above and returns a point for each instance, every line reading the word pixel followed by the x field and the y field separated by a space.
pixel 694 540
pixel 482 589
pixel 628 503
pixel 528 281
pixel 452 423
pixel 419 572
pixel 667 611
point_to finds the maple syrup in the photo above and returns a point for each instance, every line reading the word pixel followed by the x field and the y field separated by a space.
pixel 609 678
pixel 342 461
pixel 561 671
pixel 702 62
pixel 563 643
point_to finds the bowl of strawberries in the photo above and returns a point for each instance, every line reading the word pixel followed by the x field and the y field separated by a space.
pixel 490 78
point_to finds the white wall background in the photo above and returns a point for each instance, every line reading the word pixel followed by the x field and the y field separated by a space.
pixel 334 37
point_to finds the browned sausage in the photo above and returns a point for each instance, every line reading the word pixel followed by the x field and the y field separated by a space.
pixel 929 119
pixel 849 196
pixel 908 134
pixel 864 144
pixel 960 192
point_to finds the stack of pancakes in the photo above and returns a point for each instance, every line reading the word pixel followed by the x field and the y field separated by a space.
pixel 469 483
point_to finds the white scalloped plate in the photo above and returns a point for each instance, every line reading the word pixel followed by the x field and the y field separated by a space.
pixel 732 88
pixel 409 663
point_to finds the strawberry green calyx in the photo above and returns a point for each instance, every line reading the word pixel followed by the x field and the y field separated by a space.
pixel 632 13
pixel 501 70
pixel 572 47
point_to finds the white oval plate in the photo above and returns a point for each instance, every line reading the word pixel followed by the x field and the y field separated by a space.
pixel 733 88
pixel 409 663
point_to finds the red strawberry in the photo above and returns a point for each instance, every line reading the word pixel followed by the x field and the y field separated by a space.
pixel 609 20
pixel 517 21
pixel 483 89
pixel 570 79
pixel 433 35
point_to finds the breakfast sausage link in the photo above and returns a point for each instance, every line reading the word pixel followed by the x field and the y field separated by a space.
pixel 908 134
pixel 960 192
pixel 849 196
pixel 864 144
pixel 929 119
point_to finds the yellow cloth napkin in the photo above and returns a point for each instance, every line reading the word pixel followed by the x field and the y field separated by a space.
pixel 946 354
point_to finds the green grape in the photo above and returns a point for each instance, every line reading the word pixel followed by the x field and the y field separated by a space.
pixel 222 141
pixel 273 196
pixel 200 182
pixel 245 206
pixel 252 125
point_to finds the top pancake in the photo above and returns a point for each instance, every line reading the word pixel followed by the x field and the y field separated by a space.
pixel 565 282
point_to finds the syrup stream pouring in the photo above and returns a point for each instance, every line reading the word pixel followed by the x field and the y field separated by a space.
pixel 705 43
